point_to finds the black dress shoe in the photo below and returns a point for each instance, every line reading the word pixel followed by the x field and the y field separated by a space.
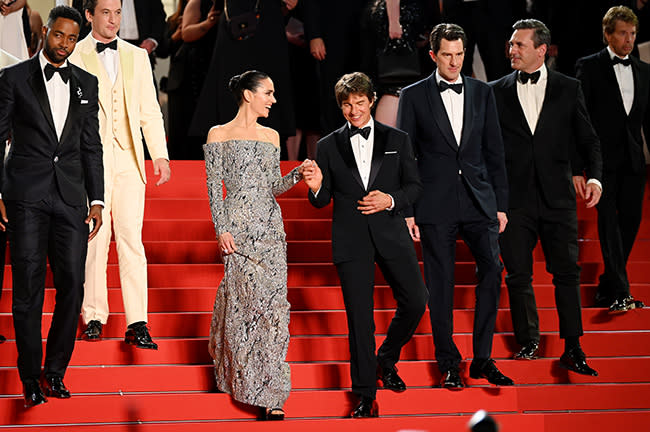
pixel 452 380
pixel 530 351
pixel 391 380
pixel 53 387
pixel 93 331
pixel 602 300
pixel 33 394
pixel 367 408
pixel 623 304
pixel 487 369
pixel 138 335
pixel 2 339
pixel 576 361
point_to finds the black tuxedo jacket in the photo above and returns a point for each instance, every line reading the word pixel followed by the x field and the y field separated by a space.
pixel 393 171
pixel 563 127
pixel 37 158
pixel 479 158
pixel 621 143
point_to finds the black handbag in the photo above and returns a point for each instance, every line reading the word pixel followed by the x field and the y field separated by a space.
pixel 398 64
pixel 242 26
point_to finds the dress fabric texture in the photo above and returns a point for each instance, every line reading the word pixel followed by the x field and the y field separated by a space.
pixel 12 35
pixel 249 332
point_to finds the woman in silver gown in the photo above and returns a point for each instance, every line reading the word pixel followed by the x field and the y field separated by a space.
pixel 249 333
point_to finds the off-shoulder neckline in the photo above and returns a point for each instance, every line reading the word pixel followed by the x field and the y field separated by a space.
pixel 246 140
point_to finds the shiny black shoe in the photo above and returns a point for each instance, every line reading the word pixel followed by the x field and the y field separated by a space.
pixel 622 304
pixel 33 394
pixel 93 331
pixel 530 351
pixel 2 339
pixel 452 380
pixel 487 369
pixel 273 414
pixel 367 408
pixel 53 387
pixel 391 380
pixel 576 361
pixel 137 334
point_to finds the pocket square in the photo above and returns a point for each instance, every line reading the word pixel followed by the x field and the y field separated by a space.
pixel 84 101
pixel 391 152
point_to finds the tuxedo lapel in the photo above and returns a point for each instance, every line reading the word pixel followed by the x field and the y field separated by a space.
pixel 512 100
pixel 345 150
pixel 636 71
pixel 378 148
pixel 608 74
pixel 552 93
pixel 439 113
pixel 37 83
pixel 76 95
pixel 468 118
pixel 93 65
pixel 127 65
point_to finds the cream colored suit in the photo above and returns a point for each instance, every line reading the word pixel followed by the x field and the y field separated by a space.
pixel 126 106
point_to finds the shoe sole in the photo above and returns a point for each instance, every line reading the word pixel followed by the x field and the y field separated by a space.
pixel 141 346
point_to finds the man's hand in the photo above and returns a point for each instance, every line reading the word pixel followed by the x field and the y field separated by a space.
pixel 161 168
pixel 579 183
pixel 95 215
pixel 374 202
pixel 592 194
pixel 3 215
pixel 226 243
pixel 149 45
pixel 414 230
pixel 317 48
pixel 290 4
pixel 313 177
pixel 503 221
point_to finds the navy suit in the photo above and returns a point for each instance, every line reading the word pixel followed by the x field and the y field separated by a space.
pixel 624 178
pixel 46 183
pixel 464 186
pixel 359 241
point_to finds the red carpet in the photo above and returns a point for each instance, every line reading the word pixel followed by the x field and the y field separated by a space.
pixel 118 388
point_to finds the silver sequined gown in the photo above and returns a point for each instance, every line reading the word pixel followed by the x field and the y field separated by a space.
pixel 249 333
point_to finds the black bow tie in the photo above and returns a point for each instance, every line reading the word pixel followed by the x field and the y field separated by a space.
pixel 111 45
pixel 64 72
pixel 625 62
pixel 458 88
pixel 533 77
pixel 364 132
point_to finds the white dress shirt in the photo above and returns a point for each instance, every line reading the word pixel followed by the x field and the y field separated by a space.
pixel 362 149
pixel 110 58
pixel 531 97
pixel 454 105
pixel 58 94
pixel 129 24
pixel 625 79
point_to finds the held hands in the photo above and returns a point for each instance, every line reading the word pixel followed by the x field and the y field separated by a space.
pixel 374 202
pixel 312 175
pixel 414 230
pixel 503 221
pixel 95 215
pixel 161 168
pixel 226 244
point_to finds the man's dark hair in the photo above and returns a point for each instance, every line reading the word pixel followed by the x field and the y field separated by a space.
pixel 618 13
pixel 66 12
pixel 450 32
pixel 541 33
pixel 90 5
pixel 354 83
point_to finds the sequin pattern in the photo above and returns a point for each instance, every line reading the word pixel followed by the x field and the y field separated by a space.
pixel 249 333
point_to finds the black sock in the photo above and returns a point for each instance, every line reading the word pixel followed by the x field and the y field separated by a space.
pixel 571 343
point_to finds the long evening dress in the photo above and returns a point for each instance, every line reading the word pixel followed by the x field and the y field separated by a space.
pixel 249 333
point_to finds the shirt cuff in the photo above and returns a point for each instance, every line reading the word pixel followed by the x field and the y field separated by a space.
pixel 155 43
pixel 316 193
pixel 596 182
pixel 97 202
pixel 392 203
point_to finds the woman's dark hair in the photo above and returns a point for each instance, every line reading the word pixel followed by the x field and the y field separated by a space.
pixel 249 80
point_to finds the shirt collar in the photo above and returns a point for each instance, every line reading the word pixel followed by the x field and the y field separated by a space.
pixel 612 54
pixel 44 61
pixel 459 80
pixel 543 73
pixel 370 123
pixel 95 40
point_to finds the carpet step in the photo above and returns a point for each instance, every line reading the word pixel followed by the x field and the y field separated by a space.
pixel 197 324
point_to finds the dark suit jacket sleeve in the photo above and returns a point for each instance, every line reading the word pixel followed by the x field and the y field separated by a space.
pixel 411 186
pixel 91 145
pixel 151 20
pixel 322 159
pixel 585 76
pixel 312 19
pixel 494 153
pixel 6 109
pixel 406 116
pixel 587 144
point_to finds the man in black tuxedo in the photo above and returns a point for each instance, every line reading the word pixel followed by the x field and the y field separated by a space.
pixel 617 89
pixel 368 169
pixel 543 120
pixel 54 167
pixel 453 123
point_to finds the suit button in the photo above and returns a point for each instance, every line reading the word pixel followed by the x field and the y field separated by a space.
pixel 56 159
pixel 460 172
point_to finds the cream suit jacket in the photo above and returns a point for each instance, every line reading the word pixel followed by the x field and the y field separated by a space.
pixel 142 105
